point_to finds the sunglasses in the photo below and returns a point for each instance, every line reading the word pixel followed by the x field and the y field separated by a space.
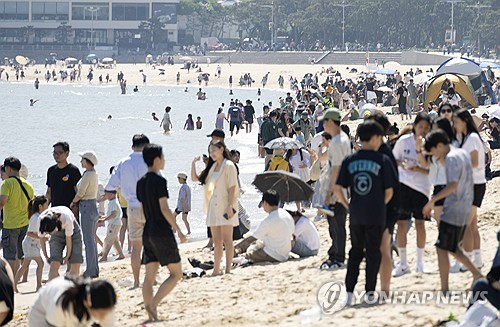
pixel 446 111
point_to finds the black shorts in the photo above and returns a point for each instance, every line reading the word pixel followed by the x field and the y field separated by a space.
pixel 449 236
pixel 234 124
pixel 177 211
pixel 437 189
pixel 402 108
pixel 124 213
pixel 479 191
pixel 160 249
pixel 391 220
pixel 411 203
pixel 249 120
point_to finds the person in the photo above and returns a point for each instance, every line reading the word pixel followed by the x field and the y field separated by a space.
pixel 160 246
pixel 446 110
pixel 414 191
pixel 64 231
pixel 339 148
pixel 125 176
pixel 62 178
pixel 272 240
pixel 279 162
pixel 249 115
pixel 6 293
pixel 469 139
pixel 300 161
pixel 494 133
pixel 453 98
pixel 31 242
pixel 306 236
pixel 114 218
pixel 269 132
pixel 184 200
pixel 166 122
pixel 189 124
pixel 220 180
pixel 219 119
pixel 73 301
pixel 155 118
pixel 306 126
pixel 86 198
pixel 458 200
pixel 234 116
pixel 412 96
pixel 15 195
pixel 402 96
pixel 199 123
pixel 136 89
pixel 371 179
pixel 32 102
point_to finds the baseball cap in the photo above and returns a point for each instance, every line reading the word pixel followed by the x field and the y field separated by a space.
pixel 217 133
pixel 182 175
pixel 90 156
pixel 332 113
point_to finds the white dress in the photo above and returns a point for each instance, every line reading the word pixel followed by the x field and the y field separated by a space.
pixel 296 161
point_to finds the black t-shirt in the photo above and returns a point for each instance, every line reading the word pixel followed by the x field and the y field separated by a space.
pixel 150 188
pixel 249 111
pixel 368 174
pixel 6 293
pixel 402 91
pixel 393 205
pixel 369 86
pixel 62 183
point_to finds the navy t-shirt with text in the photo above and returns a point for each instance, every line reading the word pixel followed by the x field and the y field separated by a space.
pixel 368 174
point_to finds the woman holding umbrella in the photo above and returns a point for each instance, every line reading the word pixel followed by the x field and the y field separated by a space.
pixel 220 179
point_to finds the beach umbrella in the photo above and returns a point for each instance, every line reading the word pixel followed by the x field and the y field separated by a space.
pixel 149 56
pixel 21 60
pixel 107 59
pixel 289 186
pixel 384 89
pixel 384 71
pixel 493 65
pixel 186 58
pixel 285 143
pixel 53 54
pixel 422 78
pixel 71 59
pixel 92 55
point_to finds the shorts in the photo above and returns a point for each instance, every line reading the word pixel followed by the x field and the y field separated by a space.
pixel 160 249
pixel 57 244
pixel 256 253
pixel 391 220
pixel 177 211
pixel 249 119
pixel 479 191
pixel 112 234
pixel 437 189
pixel 31 247
pixel 411 203
pixel 12 242
pixel 449 236
pixel 402 108
pixel 124 213
pixel 136 222
pixel 234 124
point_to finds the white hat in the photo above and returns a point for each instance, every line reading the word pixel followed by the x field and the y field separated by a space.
pixel 182 175
pixel 89 155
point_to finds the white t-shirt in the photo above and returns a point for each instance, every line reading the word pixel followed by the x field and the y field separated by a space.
pixel 339 148
pixel 405 149
pixel 114 206
pixel 473 142
pixel 276 231
pixel 67 218
pixel 296 162
pixel 34 225
pixel 454 99
pixel 437 173
pixel 306 233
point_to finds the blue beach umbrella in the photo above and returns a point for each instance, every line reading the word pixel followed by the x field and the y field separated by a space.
pixel 384 71
pixel 493 65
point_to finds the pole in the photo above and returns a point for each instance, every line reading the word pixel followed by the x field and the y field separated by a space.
pixel 343 5
pixel 92 11
pixel 452 16
pixel 478 7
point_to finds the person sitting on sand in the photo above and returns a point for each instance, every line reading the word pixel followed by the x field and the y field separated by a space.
pixel 273 238
pixel 306 236
pixel 114 219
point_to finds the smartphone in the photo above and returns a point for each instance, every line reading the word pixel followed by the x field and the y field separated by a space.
pixel 226 216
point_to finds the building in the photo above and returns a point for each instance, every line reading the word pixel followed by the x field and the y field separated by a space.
pixel 86 22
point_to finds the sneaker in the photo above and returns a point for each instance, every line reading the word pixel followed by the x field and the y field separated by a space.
pixel 400 270
pixel 349 299
pixel 463 269
pixel 370 298
pixel 326 265
pixel 331 265
pixel 478 264
pixel 324 209
pixel 421 268
pixel 337 265
pixel 455 268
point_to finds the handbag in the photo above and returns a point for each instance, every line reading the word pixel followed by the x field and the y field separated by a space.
pixel 315 170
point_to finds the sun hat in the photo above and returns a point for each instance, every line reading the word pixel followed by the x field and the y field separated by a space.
pixel 182 175
pixel 90 156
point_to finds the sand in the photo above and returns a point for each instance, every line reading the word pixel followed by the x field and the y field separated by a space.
pixel 275 294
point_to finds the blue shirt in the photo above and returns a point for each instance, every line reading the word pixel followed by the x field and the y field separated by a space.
pixel 234 114
pixel 125 176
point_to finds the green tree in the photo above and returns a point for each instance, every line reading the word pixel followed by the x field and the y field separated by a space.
pixel 150 30
pixel 63 32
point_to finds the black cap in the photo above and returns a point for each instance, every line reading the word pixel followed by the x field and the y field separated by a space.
pixel 217 133
pixel 271 197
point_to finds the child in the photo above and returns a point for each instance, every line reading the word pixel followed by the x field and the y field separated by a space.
pixel 184 200
pixel 160 246
pixel 458 195
pixel 31 242
pixel 114 218
pixel 371 178
pixel 299 137
pixel 189 125
pixel 199 123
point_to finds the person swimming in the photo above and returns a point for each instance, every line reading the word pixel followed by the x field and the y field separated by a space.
pixel 109 117
pixel 32 102
pixel 136 89
pixel 186 89
pixel 154 116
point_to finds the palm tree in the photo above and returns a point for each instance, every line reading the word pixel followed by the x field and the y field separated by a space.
pixel 63 33
pixel 150 29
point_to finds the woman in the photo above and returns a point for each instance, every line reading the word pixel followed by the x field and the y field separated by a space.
pixel 494 133
pixel 64 231
pixel 402 95
pixel 414 191
pixel 468 138
pixel 446 110
pixel 219 119
pixel 283 125
pixel 453 98
pixel 72 301
pixel 86 197
pixel 300 161
pixel 166 122
pixel 220 179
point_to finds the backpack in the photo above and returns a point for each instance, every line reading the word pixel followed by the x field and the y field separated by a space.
pixel 235 112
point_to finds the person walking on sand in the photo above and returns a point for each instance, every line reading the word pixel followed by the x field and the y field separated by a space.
pixel 249 112
pixel 114 219
pixel 166 122
pixel 160 246
pixel 184 200
pixel 220 179
pixel 125 176
pixel 220 118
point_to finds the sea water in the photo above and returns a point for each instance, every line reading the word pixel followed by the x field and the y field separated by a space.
pixel 78 114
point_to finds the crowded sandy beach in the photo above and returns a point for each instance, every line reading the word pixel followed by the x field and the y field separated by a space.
pixel 261 287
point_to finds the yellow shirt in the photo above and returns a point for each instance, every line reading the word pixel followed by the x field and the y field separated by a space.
pixel 15 211
pixel 88 185
pixel 121 199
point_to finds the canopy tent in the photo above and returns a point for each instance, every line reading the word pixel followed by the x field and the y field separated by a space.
pixel 469 68
pixel 462 86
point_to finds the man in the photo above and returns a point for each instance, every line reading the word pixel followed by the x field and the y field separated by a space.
pixel 62 178
pixel 260 120
pixel 268 132
pixel 306 126
pixel 412 96
pixel 234 117
pixel 339 148
pixel 273 237
pixel 249 115
pixel 125 176
pixel 15 195
pixel 490 75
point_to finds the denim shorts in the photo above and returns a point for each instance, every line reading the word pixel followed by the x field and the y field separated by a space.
pixel 57 244
pixel 12 242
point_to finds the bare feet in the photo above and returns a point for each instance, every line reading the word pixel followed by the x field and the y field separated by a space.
pixel 214 274
pixel 100 254
pixel 152 313
pixel 134 287
pixel 120 257
pixel 103 259
pixel 23 281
